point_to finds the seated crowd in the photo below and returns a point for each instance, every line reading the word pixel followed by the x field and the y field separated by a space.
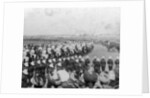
pixel 67 65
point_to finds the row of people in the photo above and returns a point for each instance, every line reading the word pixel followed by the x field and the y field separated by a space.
pixel 57 50
pixel 71 72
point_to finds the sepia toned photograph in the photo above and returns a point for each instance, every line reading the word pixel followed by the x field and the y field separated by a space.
pixel 71 48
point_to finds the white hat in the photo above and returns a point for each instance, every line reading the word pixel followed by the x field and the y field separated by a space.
pixel 59 59
pixel 51 65
pixel 59 64
pixel 54 60
pixel 46 56
pixel 39 62
pixel 32 63
pixel 80 56
pixel 82 59
pixel 109 57
pixel 68 58
pixel 77 60
pixel 76 56
pixel 25 71
pixel 72 57
pixel 44 61
pixel 26 64
pixel 87 57
pixel 117 57
pixel 49 60
pixel 26 59
pixel 97 59
pixel 103 57
pixel 64 58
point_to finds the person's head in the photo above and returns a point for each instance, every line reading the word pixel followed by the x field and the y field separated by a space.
pixel 44 61
pixel 25 71
pixel 117 62
pixel 87 60
pixel 49 61
pixel 59 60
pixel 26 64
pixel 110 63
pixel 103 64
pixel 54 60
pixel 32 63
pixel 38 61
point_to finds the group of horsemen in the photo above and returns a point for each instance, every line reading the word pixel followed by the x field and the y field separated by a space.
pixel 67 65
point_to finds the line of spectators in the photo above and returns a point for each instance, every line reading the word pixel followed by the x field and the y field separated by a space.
pixel 67 65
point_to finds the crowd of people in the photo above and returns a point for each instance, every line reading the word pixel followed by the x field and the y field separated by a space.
pixel 67 65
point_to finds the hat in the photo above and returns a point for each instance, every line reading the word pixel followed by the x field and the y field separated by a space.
pixel 25 71
pixel 97 59
pixel 51 65
pixel 77 60
pixel 59 59
pixel 117 61
pixel 26 64
pixel 32 63
pixel 72 57
pixel 46 56
pixel 109 61
pixel 75 56
pixel 50 61
pixel 26 59
pixel 103 61
pixel 64 58
pixel 80 56
pixel 68 58
pixel 87 57
pixel 39 62
pixel 54 60
pixel 103 57
pixel 59 64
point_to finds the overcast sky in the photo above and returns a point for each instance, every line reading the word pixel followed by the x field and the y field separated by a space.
pixel 71 21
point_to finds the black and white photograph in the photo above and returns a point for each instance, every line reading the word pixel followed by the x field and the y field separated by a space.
pixel 77 47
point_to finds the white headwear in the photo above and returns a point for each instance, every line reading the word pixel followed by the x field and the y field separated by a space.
pixel 87 57
pixel 51 65
pixel 59 64
pixel 46 56
pixel 49 60
pixel 82 59
pixel 109 57
pixel 59 59
pixel 72 57
pixel 68 58
pixel 77 60
pixel 25 71
pixel 54 60
pixel 32 63
pixel 76 56
pixel 80 56
pixel 26 59
pixel 44 61
pixel 39 62
pixel 117 57
pixel 26 64
pixel 103 57
pixel 64 58
pixel 97 59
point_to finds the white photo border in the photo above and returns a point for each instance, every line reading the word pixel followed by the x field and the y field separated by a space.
pixel 131 42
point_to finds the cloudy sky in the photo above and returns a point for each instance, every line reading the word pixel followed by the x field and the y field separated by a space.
pixel 71 21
